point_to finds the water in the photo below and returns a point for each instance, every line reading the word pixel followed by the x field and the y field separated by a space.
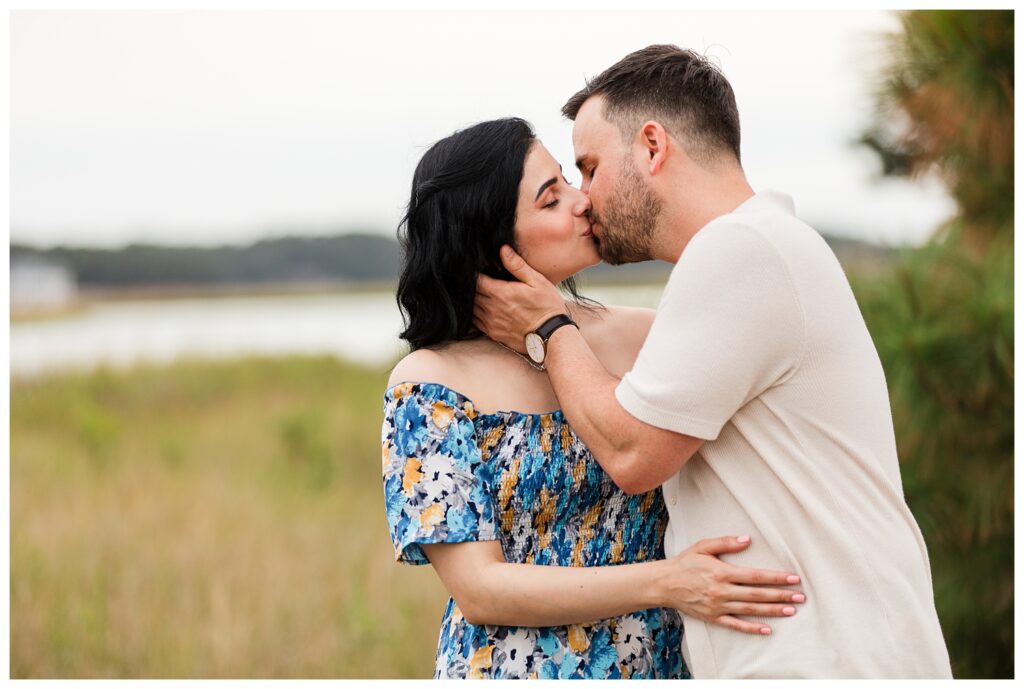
pixel 361 327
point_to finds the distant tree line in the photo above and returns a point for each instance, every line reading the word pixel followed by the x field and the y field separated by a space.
pixel 338 258
pixel 350 257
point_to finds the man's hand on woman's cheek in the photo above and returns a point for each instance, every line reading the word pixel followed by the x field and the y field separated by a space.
pixel 505 310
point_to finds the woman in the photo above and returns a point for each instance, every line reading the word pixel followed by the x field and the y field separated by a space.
pixel 483 477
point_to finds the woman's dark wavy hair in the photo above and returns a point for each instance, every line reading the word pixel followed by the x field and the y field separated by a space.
pixel 461 211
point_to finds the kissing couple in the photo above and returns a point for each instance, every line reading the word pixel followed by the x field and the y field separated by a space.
pixel 710 489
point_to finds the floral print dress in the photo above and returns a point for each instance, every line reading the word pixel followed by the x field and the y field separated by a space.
pixel 453 475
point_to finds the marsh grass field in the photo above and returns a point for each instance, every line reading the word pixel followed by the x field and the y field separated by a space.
pixel 209 519
pixel 224 518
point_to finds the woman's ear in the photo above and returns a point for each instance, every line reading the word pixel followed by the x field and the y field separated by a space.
pixel 654 139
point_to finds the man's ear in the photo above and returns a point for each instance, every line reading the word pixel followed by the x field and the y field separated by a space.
pixel 654 139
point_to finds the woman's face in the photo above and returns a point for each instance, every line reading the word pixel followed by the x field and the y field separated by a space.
pixel 553 230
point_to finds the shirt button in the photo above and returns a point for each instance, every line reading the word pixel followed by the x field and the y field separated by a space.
pixel 672 500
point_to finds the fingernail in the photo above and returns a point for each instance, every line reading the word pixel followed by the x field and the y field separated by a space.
pixel 793 579
pixel 744 539
pixel 766 630
pixel 799 598
pixel 789 611
pixel 506 251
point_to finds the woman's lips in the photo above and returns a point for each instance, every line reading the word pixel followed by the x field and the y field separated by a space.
pixel 590 231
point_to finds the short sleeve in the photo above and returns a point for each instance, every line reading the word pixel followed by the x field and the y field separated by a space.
pixel 729 327
pixel 436 487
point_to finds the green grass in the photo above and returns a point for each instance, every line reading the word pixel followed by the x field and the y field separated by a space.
pixel 209 520
pixel 226 519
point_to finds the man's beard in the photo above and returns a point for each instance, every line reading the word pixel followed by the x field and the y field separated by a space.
pixel 629 218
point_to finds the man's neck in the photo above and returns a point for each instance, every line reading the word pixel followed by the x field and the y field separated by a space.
pixel 690 213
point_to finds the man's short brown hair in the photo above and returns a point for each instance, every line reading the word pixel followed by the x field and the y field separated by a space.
pixel 678 88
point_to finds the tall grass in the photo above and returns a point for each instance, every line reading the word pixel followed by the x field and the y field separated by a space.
pixel 209 520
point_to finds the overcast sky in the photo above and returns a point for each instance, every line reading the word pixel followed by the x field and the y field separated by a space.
pixel 220 127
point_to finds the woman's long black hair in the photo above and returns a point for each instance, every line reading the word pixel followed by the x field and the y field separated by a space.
pixel 461 211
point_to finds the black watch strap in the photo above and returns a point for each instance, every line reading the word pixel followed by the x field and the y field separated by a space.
pixel 548 327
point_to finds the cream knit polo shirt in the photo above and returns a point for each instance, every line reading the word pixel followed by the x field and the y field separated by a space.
pixel 759 348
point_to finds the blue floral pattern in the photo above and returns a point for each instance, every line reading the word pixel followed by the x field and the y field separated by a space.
pixel 453 475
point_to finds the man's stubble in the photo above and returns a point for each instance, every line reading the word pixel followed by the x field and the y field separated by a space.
pixel 629 219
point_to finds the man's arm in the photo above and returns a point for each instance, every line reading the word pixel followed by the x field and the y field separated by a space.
pixel 636 455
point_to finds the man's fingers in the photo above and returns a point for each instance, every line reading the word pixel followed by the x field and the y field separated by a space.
pixel 480 316
pixel 742 625
pixel 519 268
pixel 485 285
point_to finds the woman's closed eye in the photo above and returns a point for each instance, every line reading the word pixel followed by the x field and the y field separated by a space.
pixel 554 202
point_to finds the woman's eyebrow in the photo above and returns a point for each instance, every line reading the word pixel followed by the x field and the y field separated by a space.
pixel 545 186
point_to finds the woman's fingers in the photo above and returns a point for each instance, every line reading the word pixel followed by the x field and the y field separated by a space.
pixel 742 625
pixel 759 609
pixel 761 577
pixel 745 600
pixel 756 595
pixel 724 544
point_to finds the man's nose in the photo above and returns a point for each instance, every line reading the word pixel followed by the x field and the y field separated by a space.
pixel 582 206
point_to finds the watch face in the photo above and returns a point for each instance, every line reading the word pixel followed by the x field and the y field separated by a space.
pixel 535 347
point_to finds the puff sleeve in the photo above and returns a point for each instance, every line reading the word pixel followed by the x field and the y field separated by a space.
pixel 436 487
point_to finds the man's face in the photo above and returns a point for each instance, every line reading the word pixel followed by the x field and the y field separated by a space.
pixel 623 207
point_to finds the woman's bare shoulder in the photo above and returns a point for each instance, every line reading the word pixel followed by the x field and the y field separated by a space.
pixel 418 366
pixel 460 366
pixel 616 322
pixel 616 334
pixel 623 318
pixel 492 377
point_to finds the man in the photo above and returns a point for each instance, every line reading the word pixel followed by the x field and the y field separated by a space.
pixel 758 398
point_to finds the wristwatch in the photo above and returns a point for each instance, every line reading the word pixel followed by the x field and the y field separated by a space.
pixel 537 341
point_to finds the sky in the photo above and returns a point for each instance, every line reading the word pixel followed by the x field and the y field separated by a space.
pixel 204 128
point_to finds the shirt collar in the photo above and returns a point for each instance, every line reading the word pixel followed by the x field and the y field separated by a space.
pixel 769 198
